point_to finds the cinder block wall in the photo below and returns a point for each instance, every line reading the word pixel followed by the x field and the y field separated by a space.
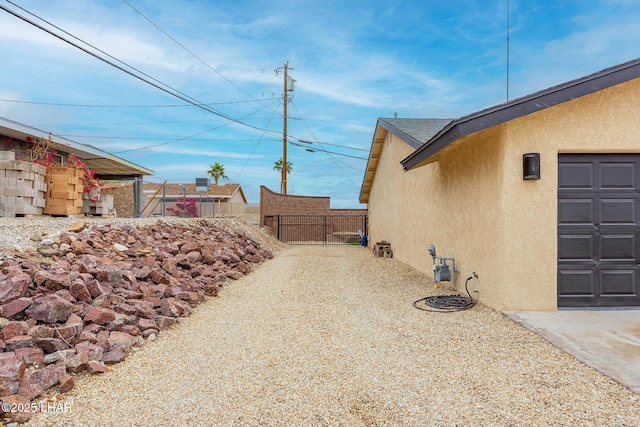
pixel 123 201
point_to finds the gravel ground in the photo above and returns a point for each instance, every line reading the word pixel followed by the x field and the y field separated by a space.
pixel 327 336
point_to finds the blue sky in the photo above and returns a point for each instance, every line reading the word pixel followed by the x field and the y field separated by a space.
pixel 353 61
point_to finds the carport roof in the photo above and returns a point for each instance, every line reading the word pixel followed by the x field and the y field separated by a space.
pixel 414 132
pixel 519 107
pixel 103 163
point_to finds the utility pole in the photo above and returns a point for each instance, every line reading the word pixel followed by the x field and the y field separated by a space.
pixel 289 84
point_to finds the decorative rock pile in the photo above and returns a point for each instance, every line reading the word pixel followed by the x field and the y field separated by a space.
pixel 90 295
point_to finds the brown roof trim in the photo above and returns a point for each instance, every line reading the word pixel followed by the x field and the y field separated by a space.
pixel 520 107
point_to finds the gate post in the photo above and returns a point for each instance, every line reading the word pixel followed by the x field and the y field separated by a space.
pixel 324 230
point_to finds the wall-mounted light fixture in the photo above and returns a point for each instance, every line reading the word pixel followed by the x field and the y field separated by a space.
pixel 531 166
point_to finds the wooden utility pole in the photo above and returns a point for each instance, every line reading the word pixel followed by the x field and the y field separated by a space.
pixel 288 87
pixel 283 189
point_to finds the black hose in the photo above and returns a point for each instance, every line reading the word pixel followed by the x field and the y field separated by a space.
pixel 448 303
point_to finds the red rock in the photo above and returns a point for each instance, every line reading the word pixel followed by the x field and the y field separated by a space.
pixel 95 367
pixel 208 254
pixel 131 330
pixel 154 301
pixel 31 355
pixel 50 309
pixel 147 332
pixel 65 294
pixel 77 363
pixel 116 355
pixel 235 274
pixel 121 340
pixel 157 276
pixel 12 367
pixel 51 280
pixel 15 307
pixel 124 308
pixel 86 337
pixel 112 275
pixel 102 301
pixel 92 328
pixel 50 345
pixel 41 331
pixel 93 352
pixel 189 247
pixel 13 329
pixel 144 324
pixel 145 310
pixel 66 383
pixel 96 288
pixel 165 322
pixel 14 287
pixel 211 289
pixel 151 290
pixel 100 315
pixel 38 381
pixel 19 341
pixel 8 388
pixel 80 292
pixel 170 266
pixel 174 307
pixel 71 329
pixel 15 400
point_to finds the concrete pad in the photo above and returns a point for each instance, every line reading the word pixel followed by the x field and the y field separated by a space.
pixel 606 340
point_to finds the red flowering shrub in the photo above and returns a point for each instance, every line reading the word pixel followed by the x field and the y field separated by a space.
pixel 185 207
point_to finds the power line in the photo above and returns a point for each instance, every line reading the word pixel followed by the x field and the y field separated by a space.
pixel 326 151
pixel 167 89
pixel 57 104
pixel 189 51
pixel 334 145
pixel 333 159
pixel 190 136
pixel 159 139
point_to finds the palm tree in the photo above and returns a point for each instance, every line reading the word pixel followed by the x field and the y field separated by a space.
pixel 277 166
pixel 217 171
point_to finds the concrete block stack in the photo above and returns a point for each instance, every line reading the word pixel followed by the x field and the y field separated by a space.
pixel 64 191
pixel 22 186
pixel 383 250
pixel 103 206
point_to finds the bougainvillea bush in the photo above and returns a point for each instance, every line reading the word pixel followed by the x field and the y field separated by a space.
pixel 186 207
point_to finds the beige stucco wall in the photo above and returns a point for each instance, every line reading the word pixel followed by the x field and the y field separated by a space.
pixel 473 204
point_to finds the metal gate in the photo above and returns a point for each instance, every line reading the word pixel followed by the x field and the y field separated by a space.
pixel 322 229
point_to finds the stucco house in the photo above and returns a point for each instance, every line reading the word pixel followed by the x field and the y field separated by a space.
pixel 539 196
pixel 211 199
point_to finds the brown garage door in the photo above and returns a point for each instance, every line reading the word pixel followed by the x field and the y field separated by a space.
pixel 598 217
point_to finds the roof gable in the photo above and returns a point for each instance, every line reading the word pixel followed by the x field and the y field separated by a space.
pixel 520 107
pixel 414 132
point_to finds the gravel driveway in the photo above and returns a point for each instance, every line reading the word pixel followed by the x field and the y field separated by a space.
pixel 328 336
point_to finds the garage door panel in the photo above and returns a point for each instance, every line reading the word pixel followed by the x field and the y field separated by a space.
pixel 618 247
pixel 617 211
pixel 598 230
pixel 575 211
pixel 576 176
pixel 577 282
pixel 575 247
pixel 618 282
pixel 617 176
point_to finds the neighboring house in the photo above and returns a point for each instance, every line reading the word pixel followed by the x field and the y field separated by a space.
pixel 14 136
pixel 18 138
pixel 210 200
pixel 567 239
